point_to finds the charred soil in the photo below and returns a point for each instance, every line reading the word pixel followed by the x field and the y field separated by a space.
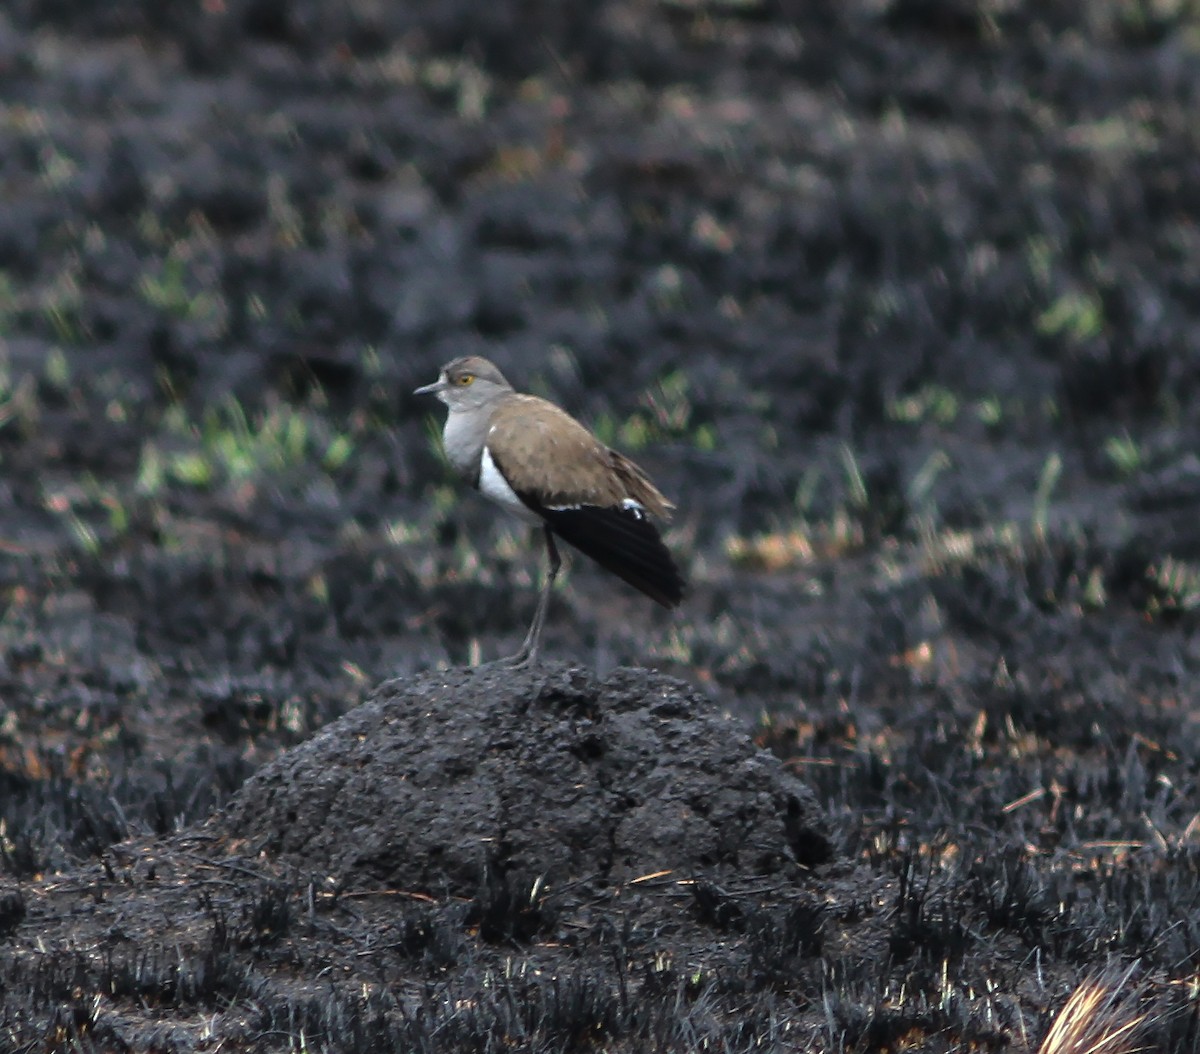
pixel 895 300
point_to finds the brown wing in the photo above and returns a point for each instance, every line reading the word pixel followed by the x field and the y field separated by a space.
pixel 551 460
pixel 593 498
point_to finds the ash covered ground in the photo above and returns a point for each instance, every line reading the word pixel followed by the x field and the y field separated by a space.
pixel 895 300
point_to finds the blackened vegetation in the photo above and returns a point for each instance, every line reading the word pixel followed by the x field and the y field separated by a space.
pixel 473 860
pixel 903 293
pixel 527 842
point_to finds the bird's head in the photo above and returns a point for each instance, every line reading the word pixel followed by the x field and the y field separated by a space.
pixel 467 383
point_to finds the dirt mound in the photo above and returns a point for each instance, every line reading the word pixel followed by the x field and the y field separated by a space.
pixel 438 779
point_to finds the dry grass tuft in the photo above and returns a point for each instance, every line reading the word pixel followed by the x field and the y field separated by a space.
pixel 1103 1016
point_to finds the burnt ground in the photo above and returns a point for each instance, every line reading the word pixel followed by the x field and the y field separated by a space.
pixel 896 300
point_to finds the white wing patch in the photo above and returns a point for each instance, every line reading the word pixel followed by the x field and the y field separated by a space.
pixel 627 505
pixel 494 486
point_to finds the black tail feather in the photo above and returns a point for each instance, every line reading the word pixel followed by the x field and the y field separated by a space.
pixel 625 542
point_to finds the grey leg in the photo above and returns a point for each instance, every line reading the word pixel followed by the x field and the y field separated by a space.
pixel 527 656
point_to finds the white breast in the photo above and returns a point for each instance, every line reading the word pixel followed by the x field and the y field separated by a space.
pixel 463 439
pixel 494 486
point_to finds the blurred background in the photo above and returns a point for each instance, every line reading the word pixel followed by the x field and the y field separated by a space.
pixel 896 300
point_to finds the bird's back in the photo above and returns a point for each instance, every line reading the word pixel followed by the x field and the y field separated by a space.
pixel 560 463
pixel 593 498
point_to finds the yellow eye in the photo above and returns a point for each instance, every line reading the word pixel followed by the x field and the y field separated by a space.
pixel 463 379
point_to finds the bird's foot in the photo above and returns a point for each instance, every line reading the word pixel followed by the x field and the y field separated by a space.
pixel 525 659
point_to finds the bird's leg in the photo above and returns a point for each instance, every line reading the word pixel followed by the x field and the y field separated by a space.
pixel 527 656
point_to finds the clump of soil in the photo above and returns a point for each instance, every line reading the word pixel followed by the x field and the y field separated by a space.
pixel 606 859
pixel 548 773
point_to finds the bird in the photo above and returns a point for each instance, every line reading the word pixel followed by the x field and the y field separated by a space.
pixel 537 462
